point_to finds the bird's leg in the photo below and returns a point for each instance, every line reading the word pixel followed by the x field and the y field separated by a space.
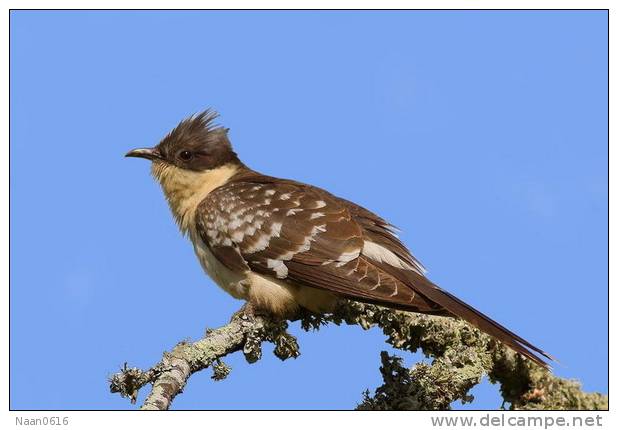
pixel 272 328
pixel 248 311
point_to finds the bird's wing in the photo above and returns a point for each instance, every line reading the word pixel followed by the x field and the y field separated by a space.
pixel 302 234
pixel 299 233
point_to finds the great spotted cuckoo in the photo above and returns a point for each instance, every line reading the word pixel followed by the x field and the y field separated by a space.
pixel 280 244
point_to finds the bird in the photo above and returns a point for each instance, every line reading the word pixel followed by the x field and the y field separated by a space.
pixel 284 246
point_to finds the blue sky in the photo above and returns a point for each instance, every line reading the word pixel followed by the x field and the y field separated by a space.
pixel 482 135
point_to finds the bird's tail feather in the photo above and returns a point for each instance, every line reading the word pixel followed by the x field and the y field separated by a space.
pixel 462 310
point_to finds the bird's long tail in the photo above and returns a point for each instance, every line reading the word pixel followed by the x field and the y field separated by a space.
pixel 460 309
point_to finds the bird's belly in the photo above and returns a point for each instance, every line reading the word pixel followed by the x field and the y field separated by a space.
pixel 273 295
pixel 283 298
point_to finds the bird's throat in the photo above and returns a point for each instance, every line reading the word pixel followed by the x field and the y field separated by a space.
pixel 185 189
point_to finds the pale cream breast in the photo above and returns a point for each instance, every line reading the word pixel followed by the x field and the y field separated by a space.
pixel 184 190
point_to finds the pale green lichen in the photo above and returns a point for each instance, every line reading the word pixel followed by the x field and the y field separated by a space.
pixel 462 355
pixel 220 370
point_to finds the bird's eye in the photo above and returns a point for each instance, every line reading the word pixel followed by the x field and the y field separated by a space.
pixel 185 155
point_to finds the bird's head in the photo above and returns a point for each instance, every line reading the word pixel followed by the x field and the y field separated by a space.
pixel 196 144
pixel 194 157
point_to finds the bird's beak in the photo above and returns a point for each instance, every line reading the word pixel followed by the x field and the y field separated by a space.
pixel 147 153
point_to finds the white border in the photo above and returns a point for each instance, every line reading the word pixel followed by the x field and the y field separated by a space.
pixel 272 420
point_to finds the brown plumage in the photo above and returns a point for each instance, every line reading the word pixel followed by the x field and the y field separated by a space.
pixel 283 244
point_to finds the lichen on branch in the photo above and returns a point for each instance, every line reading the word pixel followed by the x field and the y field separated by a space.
pixel 461 356
pixel 245 332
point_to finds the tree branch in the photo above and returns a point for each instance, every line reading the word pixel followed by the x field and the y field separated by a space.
pixel 168 377
pixel 461 354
